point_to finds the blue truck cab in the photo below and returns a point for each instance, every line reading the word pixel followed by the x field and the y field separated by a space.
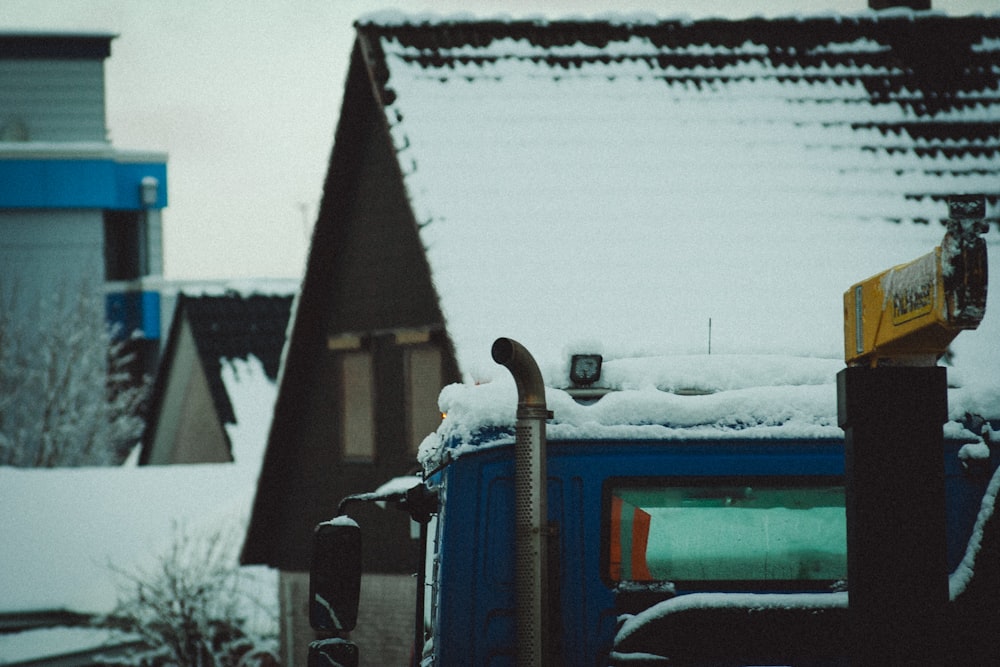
pixel 632 524
pixel 695 523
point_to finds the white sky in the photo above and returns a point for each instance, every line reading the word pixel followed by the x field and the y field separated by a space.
pixel 245 98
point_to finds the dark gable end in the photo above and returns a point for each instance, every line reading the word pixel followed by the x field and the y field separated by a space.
pixel 366 278
pixel 381 280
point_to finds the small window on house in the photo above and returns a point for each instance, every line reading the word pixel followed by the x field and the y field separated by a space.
pixel 358 388
pixel 423 384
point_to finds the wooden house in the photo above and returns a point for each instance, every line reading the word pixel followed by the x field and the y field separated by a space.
pixel 636 185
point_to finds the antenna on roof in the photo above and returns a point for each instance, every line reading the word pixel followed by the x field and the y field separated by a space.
pixel 710 335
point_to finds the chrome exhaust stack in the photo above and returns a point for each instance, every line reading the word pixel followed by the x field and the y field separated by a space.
pixel 534 644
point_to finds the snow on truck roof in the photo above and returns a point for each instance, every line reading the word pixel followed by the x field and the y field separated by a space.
pixel 627 182
pixel 689 397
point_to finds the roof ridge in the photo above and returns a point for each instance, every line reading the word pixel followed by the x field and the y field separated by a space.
pixel 391 20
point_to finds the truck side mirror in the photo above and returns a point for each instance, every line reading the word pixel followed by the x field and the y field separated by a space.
pixel 335 575
pixel 332 653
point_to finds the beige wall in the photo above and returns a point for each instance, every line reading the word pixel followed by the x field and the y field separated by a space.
pixel 385 619
pixel 188 429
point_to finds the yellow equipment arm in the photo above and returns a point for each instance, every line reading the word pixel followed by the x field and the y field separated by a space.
pixel 909 314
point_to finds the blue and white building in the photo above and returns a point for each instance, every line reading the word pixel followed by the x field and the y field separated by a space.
pixel 75 212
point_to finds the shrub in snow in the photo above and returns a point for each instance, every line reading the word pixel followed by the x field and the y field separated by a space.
pixel 66 396
pixel 193 608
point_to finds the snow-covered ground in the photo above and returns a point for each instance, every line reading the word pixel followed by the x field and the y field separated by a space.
pixel 50 642
pixel 71 535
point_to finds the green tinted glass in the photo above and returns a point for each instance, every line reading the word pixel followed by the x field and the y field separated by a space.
pixel 721 532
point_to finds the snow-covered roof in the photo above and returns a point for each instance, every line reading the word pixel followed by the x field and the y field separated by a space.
pixel 614 186
pixel 664 398
pixel 677 397
pixel 70 532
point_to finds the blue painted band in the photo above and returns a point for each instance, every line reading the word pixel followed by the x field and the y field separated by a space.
pixel 151 314
pixel 99 183
pixel 129 312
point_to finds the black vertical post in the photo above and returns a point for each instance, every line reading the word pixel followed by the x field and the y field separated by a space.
pixel 896 542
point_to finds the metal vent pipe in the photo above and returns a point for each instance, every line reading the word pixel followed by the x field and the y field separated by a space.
pixel 534 644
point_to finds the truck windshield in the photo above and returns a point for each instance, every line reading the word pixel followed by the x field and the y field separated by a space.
pixel 713 531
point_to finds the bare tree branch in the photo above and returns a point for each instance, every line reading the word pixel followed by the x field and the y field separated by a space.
pixel 191 607
pixel 65 396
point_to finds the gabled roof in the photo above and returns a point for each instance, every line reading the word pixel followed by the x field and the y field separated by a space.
pixel 623 182
pixel 235 326
pixel 223 327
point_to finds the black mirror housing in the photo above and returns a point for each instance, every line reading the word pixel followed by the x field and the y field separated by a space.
pixel 332 653
pixel 335 575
